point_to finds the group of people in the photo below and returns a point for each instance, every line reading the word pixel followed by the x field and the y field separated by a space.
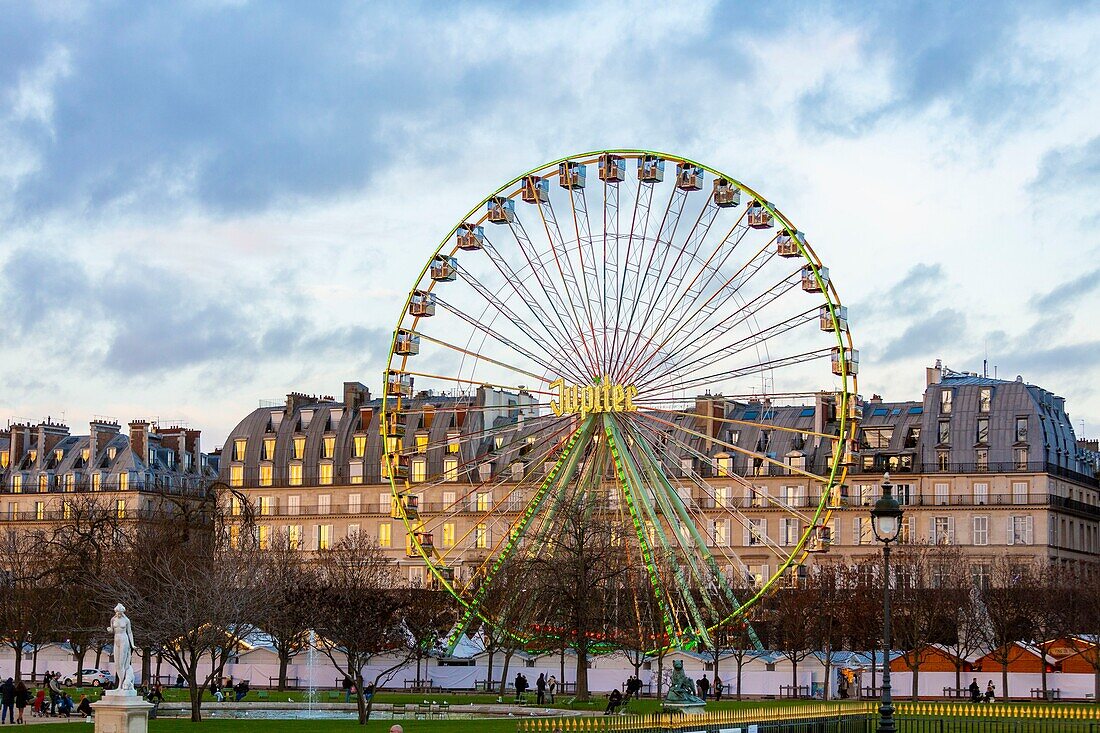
pixel 702 685
pixel 50 700
pixel 976 692
pixel 349 689
pixel 545 688
pixel 217 691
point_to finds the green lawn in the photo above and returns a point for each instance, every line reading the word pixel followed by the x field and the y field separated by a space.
pixel 308 726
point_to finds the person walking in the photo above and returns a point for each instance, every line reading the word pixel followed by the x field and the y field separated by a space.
pixel 7 701
pixel 704 687
pixel 22 697
pixel 975 691
pixel 540 688
pixel 552 687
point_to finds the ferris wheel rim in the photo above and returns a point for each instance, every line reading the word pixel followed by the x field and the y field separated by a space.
pixel 837 473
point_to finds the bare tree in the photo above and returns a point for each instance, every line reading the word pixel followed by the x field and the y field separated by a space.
pixel 789 627
pixel 1054 616
pixel 359 612
pixel 1084 604
pixel 194 598
pixel 429 615
pixel 284 614
pixel 828 588
pixel 1009 602
pixel 579 569
pixel 921 573
pixel 25 565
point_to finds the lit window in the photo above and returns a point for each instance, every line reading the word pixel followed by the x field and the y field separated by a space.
pixel 236 475
pixel 299 447
pixel 421 442
pixel 393 445
pixel 111 453
pixel 269 449
pixel 981 530
pixel 263 536
pixel 67 510
pixel 295 474
pixel 324 536
pixel 70 482
pixel 452 442
pixel 58 455
pixel 238 449
pixel 985 398
pixel 385 534
pixel 328 446
pixel 234 536
pixel 721 496
pixel 450 469
pixel 40 510
pixel 360 446
pixel 325 476
pixel 945 401
pixel 294 536
pixel 4 460
pixel 120 509
pixel 943 459
pixel 723 465
pixel 235 507
pixel 449 534
pixel 266 505
pixel 96 478
pixel 481 537
pixel 124 481
pixel 484 501
pixel 266 475
pixel 419 470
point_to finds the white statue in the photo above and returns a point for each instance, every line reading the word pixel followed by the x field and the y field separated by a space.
pixel 124 650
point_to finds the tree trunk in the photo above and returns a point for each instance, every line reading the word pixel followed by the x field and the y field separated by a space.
pixel 874 679
pixel 504 674
pixel 284 661
pixel 740 665
pixel 828 669
pixel 196 699
pixel 661 675
pixel 1044 663
pixel 916 680
pixel 80 665
pixel 145 664
pixel 18 648
pixel 794 676
pixel 98 656
pixel 958 676
pixel 1004 681
pixel 34 662
pixel 489 674
pixel 360 698
pixel 582 672
pixel 563 660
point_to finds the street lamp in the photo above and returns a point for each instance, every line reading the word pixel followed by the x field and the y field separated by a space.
pixel 886 522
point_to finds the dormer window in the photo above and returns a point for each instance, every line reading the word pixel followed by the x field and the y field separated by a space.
pixel 299 447
pixel 985 399
pixel 239 446
pixel 269 449
pixel 32 457
pixel 328 446
pixel 359 446
pixel 111 453
pixel 945 401
pixel 58 455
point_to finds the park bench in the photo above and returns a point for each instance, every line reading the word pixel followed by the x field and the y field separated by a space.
pixel 960 692
pixel 1052 694
pixel 794 691
pixel 419 686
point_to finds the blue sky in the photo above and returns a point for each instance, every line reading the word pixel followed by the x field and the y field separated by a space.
pixel 206 204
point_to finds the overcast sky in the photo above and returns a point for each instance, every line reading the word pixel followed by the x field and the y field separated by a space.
pixel 207 204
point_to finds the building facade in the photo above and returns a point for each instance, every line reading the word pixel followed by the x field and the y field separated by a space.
pixel 139 473
pixel 992 466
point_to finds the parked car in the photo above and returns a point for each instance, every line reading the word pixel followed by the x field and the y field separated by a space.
pixel 93 677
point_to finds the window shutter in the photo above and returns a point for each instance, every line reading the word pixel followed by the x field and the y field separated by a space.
pixel 1011 531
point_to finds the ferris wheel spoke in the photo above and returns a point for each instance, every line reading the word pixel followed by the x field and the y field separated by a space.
pixel 523 327
pixel 646 293
pixel 518 285
pixel 610 258
pixel 503 340
pixel 547 287
pixel 582 226
pixel 578 301
pixel 730 374
pixel 631 266
pixel 676 273
pixel 651 370
pixel 730 507
pixel 481 357
pixel 755 455
pixel 702 562
pixel 568 459
pixel 696 324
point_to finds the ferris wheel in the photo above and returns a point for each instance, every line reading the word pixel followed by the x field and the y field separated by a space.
pixel 633 326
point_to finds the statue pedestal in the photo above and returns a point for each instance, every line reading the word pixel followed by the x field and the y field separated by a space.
pixel 121 712
pixel 683 708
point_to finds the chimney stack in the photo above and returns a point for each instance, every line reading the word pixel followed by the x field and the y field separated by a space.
pixel 100 433
pixel 355 394
pixel 20 443
pixel 139 440
pixel 49 434
pixel 933 375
